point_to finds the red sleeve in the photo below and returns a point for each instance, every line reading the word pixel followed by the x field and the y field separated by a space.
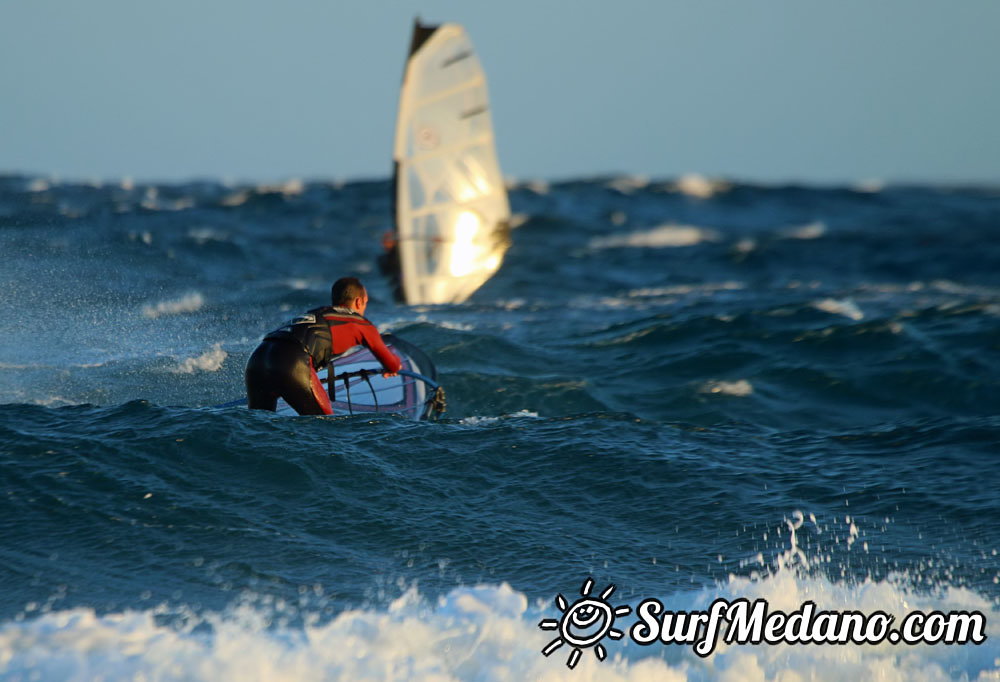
pixel 374 342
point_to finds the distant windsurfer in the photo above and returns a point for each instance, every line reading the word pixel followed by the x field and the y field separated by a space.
pixel 388 264
pixel 286 361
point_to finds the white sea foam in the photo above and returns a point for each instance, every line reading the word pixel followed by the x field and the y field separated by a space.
pixel 456 326
pixel 512 304
pixel 658 237
pixel 845 307
pixel 52 401
pixel 739 388
pixel 517 219
pixel 289 188
pixel 685 289
pixel 362 267
pixel 235 199
pixel 490 632
pixel 204 235
pixel 813 230
pixel 14 365
pixel 480 421
pixel 641 298
pixel 745 246
pixel 45 365
pixel 627 184
pixel 151 201
pixel 541 187
pixel 188 303
pixel 694 185
pixel 209 361
pixel 949 287
pixel 612 302
pixel 146 237
pixel 392 325
pixel 298 284
pixel 485 633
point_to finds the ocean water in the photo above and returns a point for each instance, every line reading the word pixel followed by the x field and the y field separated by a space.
pixel 685 389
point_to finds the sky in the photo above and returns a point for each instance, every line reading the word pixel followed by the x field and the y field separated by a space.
pixel 767 91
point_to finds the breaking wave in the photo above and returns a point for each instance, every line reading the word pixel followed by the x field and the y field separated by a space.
pixel 189 303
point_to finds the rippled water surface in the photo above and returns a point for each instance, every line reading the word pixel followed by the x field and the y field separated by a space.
pixel 686 390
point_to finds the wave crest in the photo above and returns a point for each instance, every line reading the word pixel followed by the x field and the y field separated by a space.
pixel 663 236
pixel 209 361
pixel 190 303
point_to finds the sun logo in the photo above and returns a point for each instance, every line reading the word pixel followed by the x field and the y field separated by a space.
pixel 584 623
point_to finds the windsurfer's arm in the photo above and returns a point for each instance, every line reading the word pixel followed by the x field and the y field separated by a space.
pixel 390 363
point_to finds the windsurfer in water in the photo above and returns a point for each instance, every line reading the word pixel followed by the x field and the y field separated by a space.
pixel 286 361
pixel 388 264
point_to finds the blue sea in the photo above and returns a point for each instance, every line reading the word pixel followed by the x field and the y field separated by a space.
pixel 684 388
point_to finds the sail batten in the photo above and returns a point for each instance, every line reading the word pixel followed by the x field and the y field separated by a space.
pixel 427 100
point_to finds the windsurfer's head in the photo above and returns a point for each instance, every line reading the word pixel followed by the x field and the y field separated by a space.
pixel 349 292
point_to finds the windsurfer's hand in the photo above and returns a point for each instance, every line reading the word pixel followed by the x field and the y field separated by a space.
pixel 389 375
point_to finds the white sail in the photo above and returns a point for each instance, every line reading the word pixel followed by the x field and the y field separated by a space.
pixel 451 204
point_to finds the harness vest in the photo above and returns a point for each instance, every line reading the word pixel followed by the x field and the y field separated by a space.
pixel 312 332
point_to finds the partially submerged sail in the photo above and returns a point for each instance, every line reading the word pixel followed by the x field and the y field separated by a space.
pixel 451 205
